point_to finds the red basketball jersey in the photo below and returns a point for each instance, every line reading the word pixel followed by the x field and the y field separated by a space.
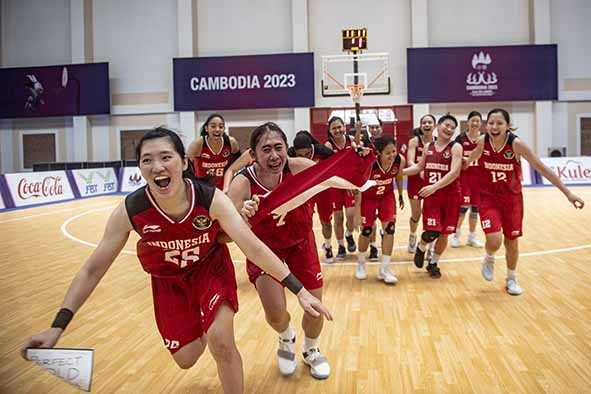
pixel 168 247
pixel 468 145
pixel 348 141
pixel 384 179
pixel 280 232
pixel 500 170
pixel 213 164
pixel 437 165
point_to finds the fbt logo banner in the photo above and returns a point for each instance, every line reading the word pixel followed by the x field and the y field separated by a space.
pixel 131 179
pixel 39 187
pixel 570 170
pixel 95 181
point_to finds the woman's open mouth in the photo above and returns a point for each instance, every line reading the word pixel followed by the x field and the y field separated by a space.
pixel 162 181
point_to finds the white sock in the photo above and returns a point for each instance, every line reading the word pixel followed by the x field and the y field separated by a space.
pixel 385 261
pixel 347 233
pixel 458 233
pixel 372 244
pixel 361 258
pixel 288 334
pixel 434 258
pixel 490 258
pixel 310 343
pixel 510 274
pixel 472 235
pixel 327 243
pixel 341 242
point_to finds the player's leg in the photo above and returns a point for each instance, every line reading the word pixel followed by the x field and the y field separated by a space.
pixel 222 346
pixel 512 229
pixel 312 326
pixel 373 250
pixel 272 298
pixel 473 220
pixel 415 216
pixel 387 216
pixel 432 228
pixel 188 355
pixel 491 221
pixel 324 209
pixel 368 217
pixel 352 212
pixel 455 238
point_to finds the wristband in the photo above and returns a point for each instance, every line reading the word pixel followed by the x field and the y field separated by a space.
pixel 62 319
pixel 292 283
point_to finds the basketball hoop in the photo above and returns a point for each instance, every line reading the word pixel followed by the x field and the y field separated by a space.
pixel 356 92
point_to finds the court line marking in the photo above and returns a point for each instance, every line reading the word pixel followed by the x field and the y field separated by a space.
pixel 18 219
pixel 65 231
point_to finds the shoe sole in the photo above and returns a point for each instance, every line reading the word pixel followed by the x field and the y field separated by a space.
pixel 314 375
pixel 358 278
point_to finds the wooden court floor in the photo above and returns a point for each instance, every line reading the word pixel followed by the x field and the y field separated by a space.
pixel 456 334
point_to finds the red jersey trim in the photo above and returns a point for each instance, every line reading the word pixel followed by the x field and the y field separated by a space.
pixel 163 214
pixel 211 149
pixel 250 170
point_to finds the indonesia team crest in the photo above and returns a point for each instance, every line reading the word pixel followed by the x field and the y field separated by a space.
pixel 201 222
pixel 226 153
pixel 509 154
pixel 446 154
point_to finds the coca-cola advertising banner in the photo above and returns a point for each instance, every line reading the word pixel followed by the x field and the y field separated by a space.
pixel 475 74
pixel 131 179
pixel 38 187
pixel 69 89
pixel 570 170
pixel 96 181
pixel 242 82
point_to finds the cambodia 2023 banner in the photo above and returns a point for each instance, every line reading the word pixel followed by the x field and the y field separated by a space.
pixel 242 82
pixel 473 74
pixel 65 90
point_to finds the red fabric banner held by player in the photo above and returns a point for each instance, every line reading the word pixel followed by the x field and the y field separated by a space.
pixel 343 170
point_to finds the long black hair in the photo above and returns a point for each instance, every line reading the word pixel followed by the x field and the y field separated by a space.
pixel 209 118
pixel 304 140
pixel 177 143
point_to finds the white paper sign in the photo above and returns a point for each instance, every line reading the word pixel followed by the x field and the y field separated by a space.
pixel 31 188
pixel 95 181
pixel 570 170
pixel 132 179
pixel 74 366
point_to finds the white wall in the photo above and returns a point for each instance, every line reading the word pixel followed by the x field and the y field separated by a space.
pixel 139 39
pixel 231 27
pixel 35 33
pixel 478 22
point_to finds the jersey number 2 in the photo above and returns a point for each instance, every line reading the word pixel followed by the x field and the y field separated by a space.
pixel 498 176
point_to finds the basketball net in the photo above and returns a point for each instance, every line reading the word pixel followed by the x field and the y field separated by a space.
pixel 356 92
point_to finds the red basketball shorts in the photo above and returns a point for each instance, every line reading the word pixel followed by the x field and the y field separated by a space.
pixel 441 212
pixel 502 212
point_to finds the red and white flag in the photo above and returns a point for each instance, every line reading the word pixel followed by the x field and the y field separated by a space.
pixel 343 170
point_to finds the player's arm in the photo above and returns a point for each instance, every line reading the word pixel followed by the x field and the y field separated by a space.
pixel 476 153
pixel 236 166
pixel 114 239
pixel 256 251
pixel 456 167
pixel 411 150
pixel 299 164
pixel 195 148
pixel 234 146
pixel 399 180
pixel 415 168
pixel 521 149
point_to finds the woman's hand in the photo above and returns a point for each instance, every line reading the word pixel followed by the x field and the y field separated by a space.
pixel 47 339
pixel 312 305
pixel 250 207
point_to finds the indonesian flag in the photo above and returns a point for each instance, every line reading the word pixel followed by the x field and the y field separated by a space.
pixel 343 170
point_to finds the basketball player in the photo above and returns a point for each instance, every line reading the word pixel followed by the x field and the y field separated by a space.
pixel 291 237
pixel 194 288
pixel 441 162
pixel 233 169
pixel 469 182
pixel 501 201
pixel 337 140
pixel 416 145
pixel 305 145
pixel 214 151
pixel 380 201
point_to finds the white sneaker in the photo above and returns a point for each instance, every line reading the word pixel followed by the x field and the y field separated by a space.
pixel 286 356
pixel 454 241
pixel 360 272
pixel 319 367
pixel 488 269
pixel 473 242
pixel 512 287
pixel 387 276
pixel 412 243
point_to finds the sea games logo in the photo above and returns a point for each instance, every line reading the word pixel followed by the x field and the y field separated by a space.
pixel 48 187
pixel 481 82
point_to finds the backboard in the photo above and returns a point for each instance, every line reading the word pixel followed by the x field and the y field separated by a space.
pixel 370 69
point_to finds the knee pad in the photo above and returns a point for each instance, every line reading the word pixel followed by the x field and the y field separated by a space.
pixel 390 228
pixel 430 236
pixel 366 231
pixel 463 210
